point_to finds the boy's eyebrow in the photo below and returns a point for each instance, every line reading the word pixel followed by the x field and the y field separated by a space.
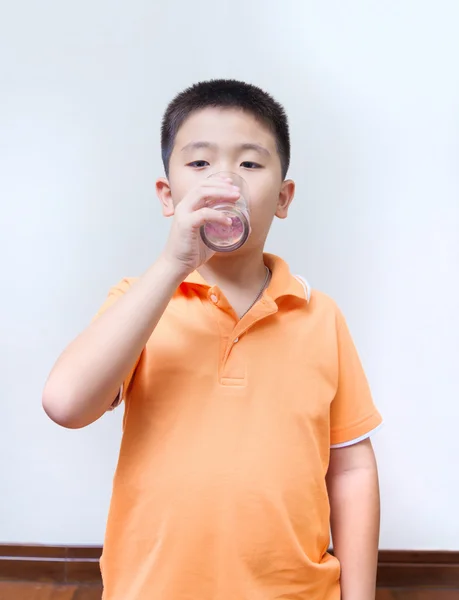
pixel 247 146
pixel 256 147
pixel 199 146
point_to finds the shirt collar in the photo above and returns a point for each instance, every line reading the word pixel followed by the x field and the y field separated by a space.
pixel 283 283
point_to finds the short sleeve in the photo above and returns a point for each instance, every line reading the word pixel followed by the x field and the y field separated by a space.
pixel 353 416
pixel 114 294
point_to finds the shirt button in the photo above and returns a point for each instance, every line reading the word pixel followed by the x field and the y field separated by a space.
pixel 214 298
pixel 236 340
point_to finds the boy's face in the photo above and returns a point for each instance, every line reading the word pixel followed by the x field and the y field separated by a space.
pixel 221 139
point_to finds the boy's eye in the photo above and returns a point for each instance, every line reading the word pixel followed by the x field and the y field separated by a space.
pixel 247 164
pixel 198 164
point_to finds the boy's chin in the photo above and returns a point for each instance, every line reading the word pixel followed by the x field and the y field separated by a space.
pixel 245 251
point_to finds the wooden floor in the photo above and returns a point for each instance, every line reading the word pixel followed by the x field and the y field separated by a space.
pixel 45 591
pixel 48 591
pixel 431 594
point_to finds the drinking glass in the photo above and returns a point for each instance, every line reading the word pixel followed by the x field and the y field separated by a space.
pixel 227 238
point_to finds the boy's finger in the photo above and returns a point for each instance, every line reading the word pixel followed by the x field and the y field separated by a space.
pixel 209 215
pixel 204 195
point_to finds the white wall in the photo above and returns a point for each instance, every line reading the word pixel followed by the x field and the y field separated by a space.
pixel 372 90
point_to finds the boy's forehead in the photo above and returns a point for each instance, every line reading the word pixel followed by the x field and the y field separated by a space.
pixel 223 125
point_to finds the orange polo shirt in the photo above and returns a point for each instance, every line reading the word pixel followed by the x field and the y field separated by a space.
pixel 220 491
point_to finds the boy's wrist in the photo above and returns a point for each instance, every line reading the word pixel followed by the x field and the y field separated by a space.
pixel 172 270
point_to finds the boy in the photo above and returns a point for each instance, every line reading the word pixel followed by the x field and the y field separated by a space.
pixel 247 412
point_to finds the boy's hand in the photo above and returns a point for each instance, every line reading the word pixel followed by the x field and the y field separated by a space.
pixel 185 248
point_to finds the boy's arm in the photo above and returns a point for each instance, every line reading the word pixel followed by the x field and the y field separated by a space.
pixel 87 376
pixel 353 488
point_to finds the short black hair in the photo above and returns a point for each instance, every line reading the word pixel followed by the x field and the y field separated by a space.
pixel 226 93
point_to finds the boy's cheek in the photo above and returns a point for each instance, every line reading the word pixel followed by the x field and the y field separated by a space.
pixel 263 203
pixel 183 179
pixel 181 184
pixel 261 218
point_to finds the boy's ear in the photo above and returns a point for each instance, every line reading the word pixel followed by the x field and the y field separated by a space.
pixel 163 191
pixel 285 198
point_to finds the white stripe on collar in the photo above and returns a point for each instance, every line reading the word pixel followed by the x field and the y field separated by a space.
pixel 305 284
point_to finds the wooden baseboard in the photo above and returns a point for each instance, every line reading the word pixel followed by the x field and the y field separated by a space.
pixel 57 564
pixel 418 568
pixel 80 565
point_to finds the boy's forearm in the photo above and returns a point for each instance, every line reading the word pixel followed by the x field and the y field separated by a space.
pixel 355 516
pixel 86 378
